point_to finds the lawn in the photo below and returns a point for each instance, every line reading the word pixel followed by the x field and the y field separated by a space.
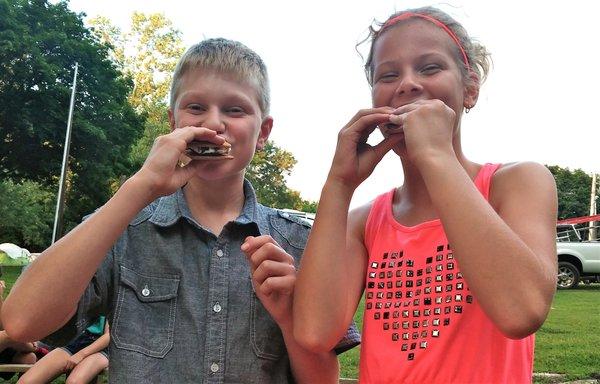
pixel 567 342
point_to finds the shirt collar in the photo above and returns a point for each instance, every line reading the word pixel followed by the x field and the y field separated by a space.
pixel 170 209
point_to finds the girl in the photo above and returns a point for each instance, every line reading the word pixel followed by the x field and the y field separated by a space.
pixel 459 262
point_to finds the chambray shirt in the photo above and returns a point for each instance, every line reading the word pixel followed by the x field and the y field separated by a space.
pixel 180 302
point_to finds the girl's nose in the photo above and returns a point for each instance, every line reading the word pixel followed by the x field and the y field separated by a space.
pixel 408 85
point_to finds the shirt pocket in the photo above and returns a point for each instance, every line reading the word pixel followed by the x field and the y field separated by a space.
pixel 265 336
pixel 145 313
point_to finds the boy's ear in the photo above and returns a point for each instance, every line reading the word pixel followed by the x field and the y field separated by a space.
pixel 471 91
pixel 265 131
pixel 171 120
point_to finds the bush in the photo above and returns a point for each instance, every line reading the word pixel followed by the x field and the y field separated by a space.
pixel 26 214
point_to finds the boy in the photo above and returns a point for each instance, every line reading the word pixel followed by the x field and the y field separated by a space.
pixel 197 284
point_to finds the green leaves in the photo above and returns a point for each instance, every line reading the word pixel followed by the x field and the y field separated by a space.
pixel 574 189
pixel 36 73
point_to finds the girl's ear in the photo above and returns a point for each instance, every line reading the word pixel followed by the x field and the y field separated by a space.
pixel 471 93
pixel 265 131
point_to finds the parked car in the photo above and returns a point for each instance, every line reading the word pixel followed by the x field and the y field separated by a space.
pixel 578 252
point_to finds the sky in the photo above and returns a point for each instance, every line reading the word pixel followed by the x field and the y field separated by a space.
pixel 539 103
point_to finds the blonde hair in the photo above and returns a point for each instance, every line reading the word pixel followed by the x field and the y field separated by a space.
pixel 479 59
pixel 224 56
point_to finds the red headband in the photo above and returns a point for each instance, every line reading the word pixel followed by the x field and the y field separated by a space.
pixel 408 15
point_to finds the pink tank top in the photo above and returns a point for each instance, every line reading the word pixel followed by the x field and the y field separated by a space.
pixel 422 324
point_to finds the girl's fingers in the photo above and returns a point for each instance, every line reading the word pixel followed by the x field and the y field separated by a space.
pixel 369 111
pixel 365 125
pixel 408 107
pixel 386 145
pixel 397 120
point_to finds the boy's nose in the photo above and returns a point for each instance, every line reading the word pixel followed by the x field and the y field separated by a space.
pixel 212 119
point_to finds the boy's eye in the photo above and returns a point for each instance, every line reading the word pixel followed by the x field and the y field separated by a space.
pixel 195 107
pixel 236 110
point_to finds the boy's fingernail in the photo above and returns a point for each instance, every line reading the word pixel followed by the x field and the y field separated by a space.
pixel 245 246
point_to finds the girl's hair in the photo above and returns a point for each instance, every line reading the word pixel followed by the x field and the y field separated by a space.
pixel 479 60
pixel 227 57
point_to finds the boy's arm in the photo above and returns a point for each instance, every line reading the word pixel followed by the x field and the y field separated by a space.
pixel 45 296
pixel 273 278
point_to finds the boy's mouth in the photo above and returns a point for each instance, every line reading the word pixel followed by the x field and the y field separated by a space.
pixel 203 150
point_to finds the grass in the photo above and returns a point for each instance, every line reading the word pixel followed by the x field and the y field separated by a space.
pixel 567 343
pixel 569 339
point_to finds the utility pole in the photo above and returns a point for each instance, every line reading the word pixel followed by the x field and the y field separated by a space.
pixel 58 217
pixel 592 231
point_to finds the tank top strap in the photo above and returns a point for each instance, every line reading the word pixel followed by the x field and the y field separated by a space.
pixel 377 215
pixel 483 181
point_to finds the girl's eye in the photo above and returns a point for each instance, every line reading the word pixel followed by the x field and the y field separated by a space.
pixel 430 68
pixel 387 77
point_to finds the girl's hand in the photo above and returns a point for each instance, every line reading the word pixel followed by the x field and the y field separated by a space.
pixel 163 171
pixel 72 361
pixel 354 159
pixel 428 127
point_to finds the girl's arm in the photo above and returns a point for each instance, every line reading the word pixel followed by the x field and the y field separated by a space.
pixel 507 252
pixel 507 255
pixel 331 276
pixel 45 297
pixel 332 272
pixel 97 346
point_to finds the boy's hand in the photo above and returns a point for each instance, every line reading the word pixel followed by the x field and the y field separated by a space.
pixel 354 159
pixel 273 276
pixel 162 171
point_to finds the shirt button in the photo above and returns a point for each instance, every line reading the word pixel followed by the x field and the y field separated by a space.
pixel 220 253
pixel 285 214
pixel 217 307
pixel 145 291
pixel 214 367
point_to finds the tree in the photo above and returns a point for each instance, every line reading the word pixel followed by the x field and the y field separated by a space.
pixel 153 48
pixel 39 45
pixel 267 172
pixel 26 214
pixel 574 188
pixel 148 54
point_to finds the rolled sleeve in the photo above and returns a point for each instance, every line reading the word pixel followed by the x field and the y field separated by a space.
pixel 350 340
pixel 93 303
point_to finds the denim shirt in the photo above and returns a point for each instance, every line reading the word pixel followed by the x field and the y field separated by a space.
pixel 180 301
